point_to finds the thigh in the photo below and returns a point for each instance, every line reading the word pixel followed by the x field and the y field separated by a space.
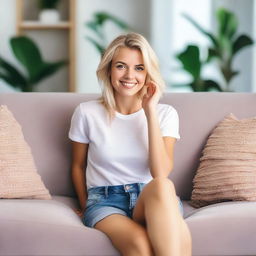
pixel 123 231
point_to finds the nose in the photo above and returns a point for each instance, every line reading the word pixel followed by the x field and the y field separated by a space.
pixel 129 74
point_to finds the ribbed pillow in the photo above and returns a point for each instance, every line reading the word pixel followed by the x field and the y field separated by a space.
pixel 227 169
pixel 18 174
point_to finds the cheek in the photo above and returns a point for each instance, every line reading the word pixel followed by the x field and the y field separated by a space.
pixel 142 78
pixel 113 77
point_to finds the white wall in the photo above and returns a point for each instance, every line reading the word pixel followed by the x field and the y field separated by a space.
pixel 134 12
pixel 7 29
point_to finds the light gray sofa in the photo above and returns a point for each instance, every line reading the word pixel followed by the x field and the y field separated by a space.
pixel 50 227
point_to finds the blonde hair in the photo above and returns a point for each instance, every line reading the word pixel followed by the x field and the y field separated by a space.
pixel 133 41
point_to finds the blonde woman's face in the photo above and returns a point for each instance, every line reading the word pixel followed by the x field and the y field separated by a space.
pixel 128 74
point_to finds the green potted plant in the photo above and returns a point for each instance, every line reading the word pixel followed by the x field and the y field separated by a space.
pixel 28 54
pixel 192 63
pixel 48 11
pixel 96 25
pixel 225 43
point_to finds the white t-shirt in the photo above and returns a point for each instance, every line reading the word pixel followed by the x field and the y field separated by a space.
pixel 118 152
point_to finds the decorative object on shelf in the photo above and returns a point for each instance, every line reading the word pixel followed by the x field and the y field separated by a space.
pixel 225 44
pixel 49 13
pixel 28 54
pixel 96 25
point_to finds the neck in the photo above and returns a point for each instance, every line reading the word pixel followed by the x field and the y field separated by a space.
pixel 128 105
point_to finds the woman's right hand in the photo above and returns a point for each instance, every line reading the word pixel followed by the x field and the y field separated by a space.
pixel 79 212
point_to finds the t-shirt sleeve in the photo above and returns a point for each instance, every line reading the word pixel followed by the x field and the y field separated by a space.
pixel 170 123
pixel 79 128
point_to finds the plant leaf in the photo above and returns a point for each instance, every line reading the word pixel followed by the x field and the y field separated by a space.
pixel 28 54
pixel 212 53
pixel 210 84
pixel 227 23
pixel 97 45
pixel 225 48
pixel 96 28
pixel 241 42
pixel 47 69
pixel 102 17
pixel 11 75
pixel 190 58
pixel 202 30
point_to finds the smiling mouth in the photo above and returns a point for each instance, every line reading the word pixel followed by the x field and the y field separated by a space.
pixel 127 85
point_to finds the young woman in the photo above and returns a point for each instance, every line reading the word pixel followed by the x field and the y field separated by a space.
pixel 124 143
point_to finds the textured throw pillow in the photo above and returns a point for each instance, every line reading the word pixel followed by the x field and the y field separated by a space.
pixel 18 175
pixel 227 169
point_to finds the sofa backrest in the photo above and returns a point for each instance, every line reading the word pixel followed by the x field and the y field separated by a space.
pixel 45 120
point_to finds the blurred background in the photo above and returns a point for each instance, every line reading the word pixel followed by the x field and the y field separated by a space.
pixel 55 45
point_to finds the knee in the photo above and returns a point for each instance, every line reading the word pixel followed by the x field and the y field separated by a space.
pixel 161 187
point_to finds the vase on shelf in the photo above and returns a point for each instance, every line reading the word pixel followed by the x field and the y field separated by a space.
pixel 49 16
pixel 48 11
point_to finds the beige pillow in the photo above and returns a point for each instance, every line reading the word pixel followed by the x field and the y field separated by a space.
pixel 18 174
pixel 227 169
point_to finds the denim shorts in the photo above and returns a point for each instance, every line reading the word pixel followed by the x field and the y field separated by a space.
pixel 103 201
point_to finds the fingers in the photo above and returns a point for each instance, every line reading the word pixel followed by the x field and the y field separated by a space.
pixel 78 212
pixel 151 88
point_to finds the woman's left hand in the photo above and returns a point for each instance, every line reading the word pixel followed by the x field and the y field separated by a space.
pixel 151 96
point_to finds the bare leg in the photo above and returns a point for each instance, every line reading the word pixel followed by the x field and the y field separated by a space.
pixel 157 207
pixel 129 237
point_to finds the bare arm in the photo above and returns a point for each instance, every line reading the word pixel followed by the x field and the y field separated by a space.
pixel 160 148
pixel 79 162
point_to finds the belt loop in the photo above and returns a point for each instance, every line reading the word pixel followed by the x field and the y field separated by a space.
pixel 106 191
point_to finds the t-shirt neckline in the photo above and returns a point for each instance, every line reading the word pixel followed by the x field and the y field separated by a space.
pixel 128 116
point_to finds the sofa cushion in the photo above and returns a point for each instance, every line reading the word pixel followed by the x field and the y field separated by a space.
pixel 19 177
pixel 226 228
pixel 48 227
pixel 227 169
pixel 54 211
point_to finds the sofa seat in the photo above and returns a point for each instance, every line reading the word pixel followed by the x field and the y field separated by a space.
pixel 48 227
pixel 226 228
pixel 51 227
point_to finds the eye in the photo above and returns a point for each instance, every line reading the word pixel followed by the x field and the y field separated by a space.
pixel 139 68
pixel 120 66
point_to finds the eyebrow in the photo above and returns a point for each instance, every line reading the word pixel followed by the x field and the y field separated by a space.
pixel 126 64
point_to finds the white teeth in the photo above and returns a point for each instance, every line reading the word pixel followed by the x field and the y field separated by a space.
pixel 130 85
